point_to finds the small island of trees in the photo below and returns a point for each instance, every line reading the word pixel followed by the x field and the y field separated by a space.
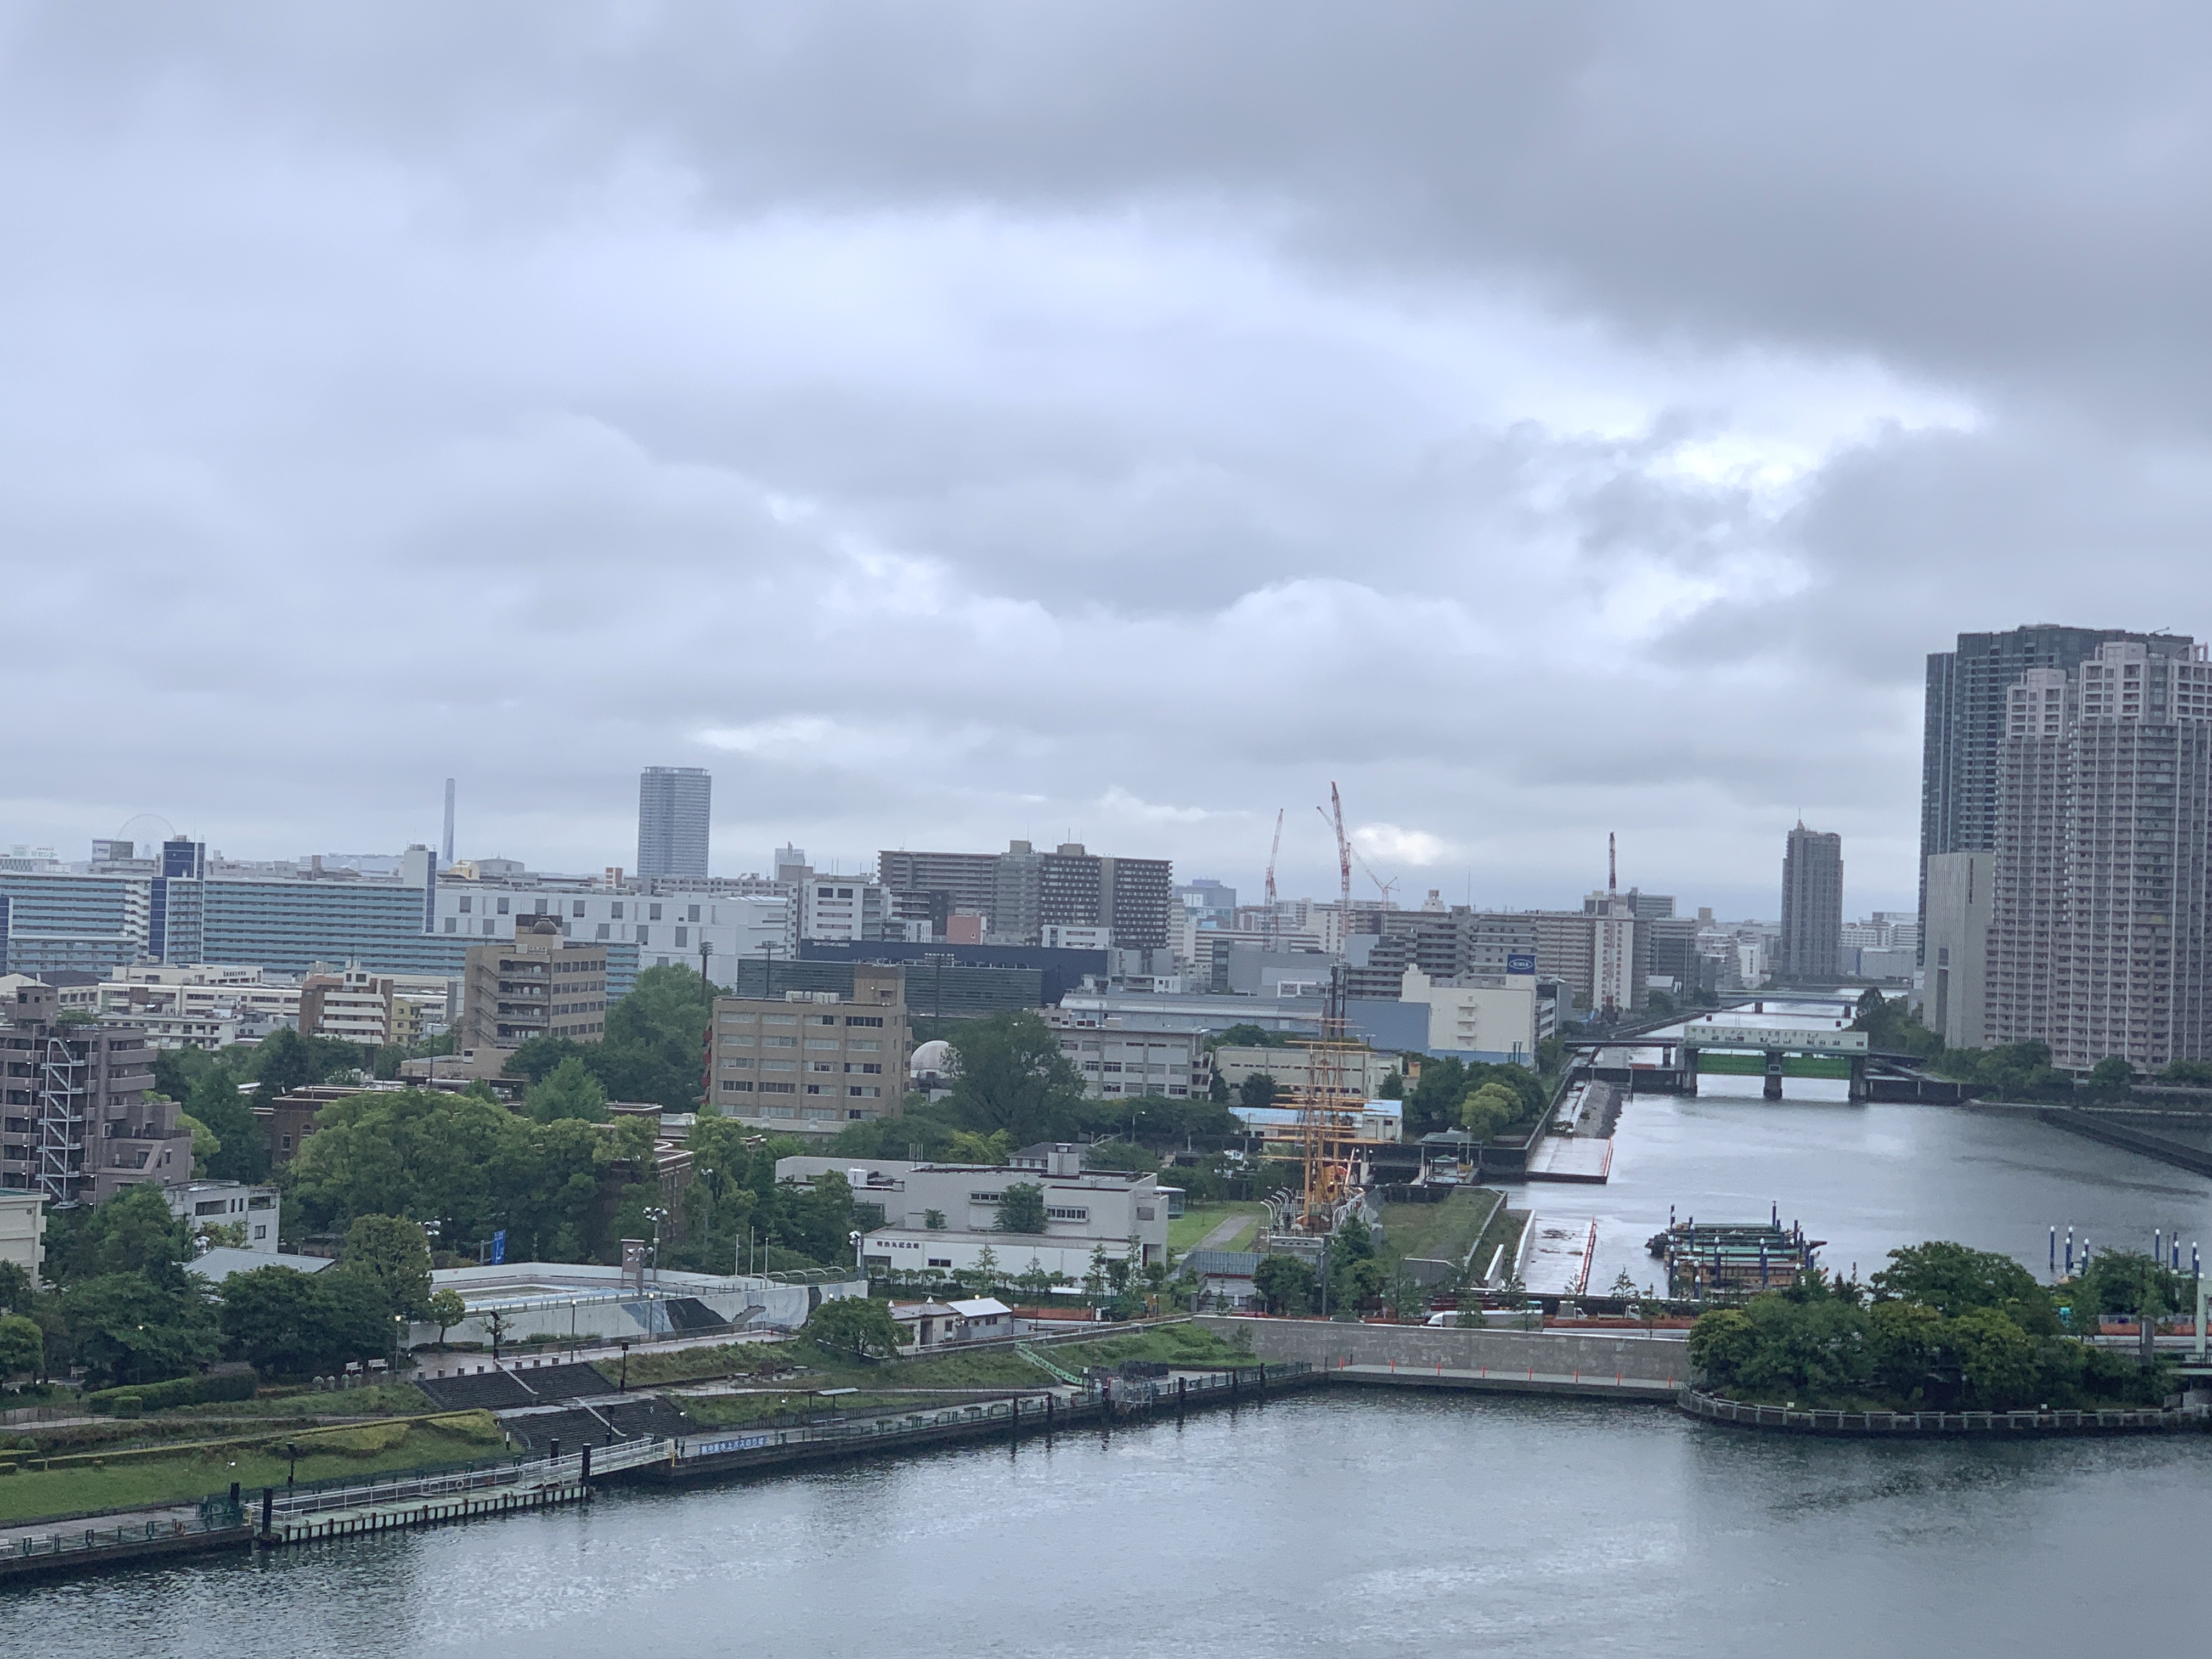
pixel 1942 1327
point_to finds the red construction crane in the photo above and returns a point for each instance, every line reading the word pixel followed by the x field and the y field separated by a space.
pixel 1271 850
pixel 1343 850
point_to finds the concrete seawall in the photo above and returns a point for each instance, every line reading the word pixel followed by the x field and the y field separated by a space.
pixel 1596 1364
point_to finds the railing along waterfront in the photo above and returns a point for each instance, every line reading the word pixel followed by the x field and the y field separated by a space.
pixel 87 1540
pixel 2032 1420
pixel 1042 1409
pixel 447 1482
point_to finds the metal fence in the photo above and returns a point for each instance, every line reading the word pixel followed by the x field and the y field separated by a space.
pixel 80 1541
pixel 1715 1410
pixel 466 1477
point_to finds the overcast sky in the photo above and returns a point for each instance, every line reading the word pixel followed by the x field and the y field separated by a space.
pixel 951 423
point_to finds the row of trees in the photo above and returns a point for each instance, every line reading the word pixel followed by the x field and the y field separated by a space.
pixel 1942 1328
pixel 2015 1070
pixel 120 1304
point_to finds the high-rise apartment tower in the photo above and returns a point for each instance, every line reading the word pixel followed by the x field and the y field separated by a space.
pixel 673 809
pixel 1812 907
pixel 2097 941
pixel 1966 717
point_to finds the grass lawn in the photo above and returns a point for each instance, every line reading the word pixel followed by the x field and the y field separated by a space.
pixel 186 1475
pixel 1199 1220
pixel 1002 1368
pixel 383 1400
pixel 1441 1232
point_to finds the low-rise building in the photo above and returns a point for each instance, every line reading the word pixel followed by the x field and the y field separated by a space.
pixel 351 1005
pixel 812 1062
pixel 1222 1280
pixel 1377 1122
pixel 1118 1056
pixel 1487 1016
pixel 1344 1073
pixel 23 1230
pixel 248 1214
pixel 941 1217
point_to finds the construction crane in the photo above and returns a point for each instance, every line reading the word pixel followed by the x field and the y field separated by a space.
pixel 1343 845
pixel 1274 848
pixel 1271 850
pixel 1346 850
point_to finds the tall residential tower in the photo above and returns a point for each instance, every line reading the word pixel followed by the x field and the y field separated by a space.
pixel 673 805
pixel 1965 725
pixel 1812 907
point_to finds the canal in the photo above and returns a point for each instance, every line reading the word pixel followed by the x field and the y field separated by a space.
pixel 1335 1524
pixel 1867 1178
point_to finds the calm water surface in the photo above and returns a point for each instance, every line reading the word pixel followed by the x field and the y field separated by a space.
pixel 1338 1524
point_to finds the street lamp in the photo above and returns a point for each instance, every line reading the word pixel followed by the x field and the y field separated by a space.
pixel 656 1216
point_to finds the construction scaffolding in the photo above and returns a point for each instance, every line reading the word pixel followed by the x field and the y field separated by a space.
pixel 1328 1115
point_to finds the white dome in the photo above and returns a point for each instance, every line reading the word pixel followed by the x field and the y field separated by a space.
pixel 933 1056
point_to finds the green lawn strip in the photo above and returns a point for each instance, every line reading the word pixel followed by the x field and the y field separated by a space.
pixel 1199 1220
pixel 183 1475
pixel 696 1365
pixel 1440 1232
pixel 383 1400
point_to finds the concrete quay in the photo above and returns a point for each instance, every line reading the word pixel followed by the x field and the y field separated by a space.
pixel 1590 1364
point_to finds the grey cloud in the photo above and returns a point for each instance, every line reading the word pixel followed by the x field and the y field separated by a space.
pixel 1117 419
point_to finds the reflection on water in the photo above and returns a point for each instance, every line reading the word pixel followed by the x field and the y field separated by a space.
pixel 1344 1524
pixel 1868 1178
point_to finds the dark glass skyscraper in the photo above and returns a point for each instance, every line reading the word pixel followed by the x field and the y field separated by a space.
pixel 673 809
pixel 1965 725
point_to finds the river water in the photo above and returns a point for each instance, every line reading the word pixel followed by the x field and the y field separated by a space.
pixel 1345 1523
pixel 1350 1522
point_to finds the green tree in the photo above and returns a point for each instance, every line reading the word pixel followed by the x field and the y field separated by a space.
pixel 1996 1360
pixel 570 1090
pixel 205 1143
pixel 444 1309
pixel 16 1290
pixel 1905 1342
pixel 1217 1089
pixel 1021 1208
pixel 1953 1279
pixel 1285 1285
pixel 1393 1087
pixel 127 1327
pixel 854 1327
pixel 243 1154
pixel 2113 1078
pixel 1257 1091
pixel 393 1254
pixel 1010 1074
pixel 986 1272
pixel 1488 1110
pixel 22 1345
pixel 287 1323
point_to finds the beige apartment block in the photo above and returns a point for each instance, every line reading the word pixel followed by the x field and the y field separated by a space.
pixel 809 1062
pixel 536 984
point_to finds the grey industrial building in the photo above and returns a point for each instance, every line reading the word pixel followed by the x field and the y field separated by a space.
pixel 1022 892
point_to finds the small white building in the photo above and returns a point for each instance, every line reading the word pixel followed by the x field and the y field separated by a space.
pixel 23 1230
pixel 208 1204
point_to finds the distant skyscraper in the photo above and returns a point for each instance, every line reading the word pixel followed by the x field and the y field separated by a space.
pixel 1965 725
pixel 1812 907
pixel 673 808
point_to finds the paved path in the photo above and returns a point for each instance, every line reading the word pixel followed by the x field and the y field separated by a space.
pixel 1220 1238
pixel 12 1533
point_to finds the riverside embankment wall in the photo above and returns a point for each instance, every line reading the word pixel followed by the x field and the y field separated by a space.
pixel 1328 1343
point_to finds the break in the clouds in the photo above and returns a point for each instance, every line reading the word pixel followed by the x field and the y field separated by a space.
pixel 961 422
